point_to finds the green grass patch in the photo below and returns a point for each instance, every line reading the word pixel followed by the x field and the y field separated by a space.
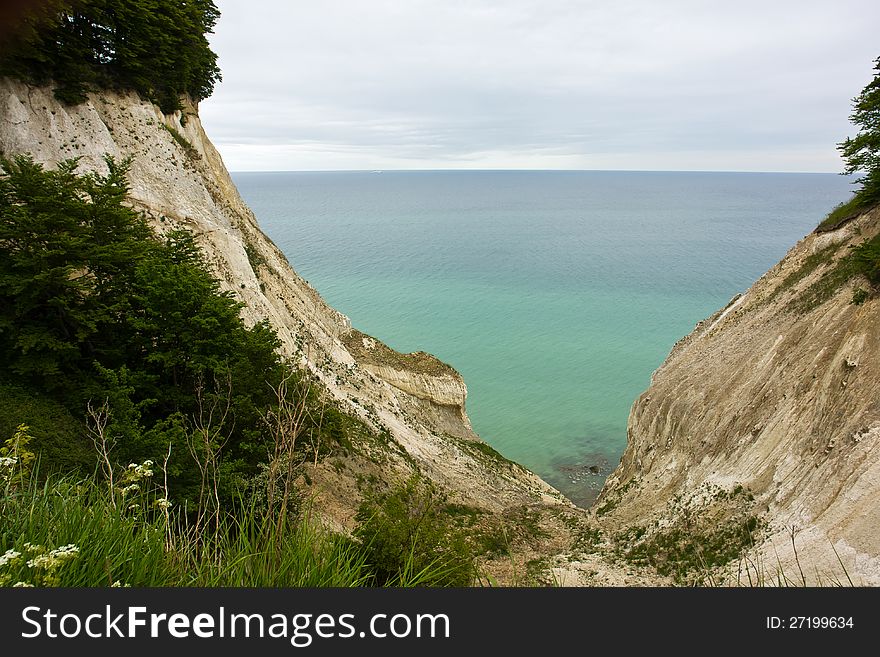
pixel 586 539
pixel 484 453
pixel 538 572
pixel 369 350
pixel 69 532
pixel 841 214
pixel 688 554
pixel 811 263
pixel 255 258
pixel 863 260
pixel 823 289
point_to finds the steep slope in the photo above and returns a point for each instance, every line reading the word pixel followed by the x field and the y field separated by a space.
pixel 178 179
pixel 779 394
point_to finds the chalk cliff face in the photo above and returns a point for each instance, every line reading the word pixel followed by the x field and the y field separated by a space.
pixel 779 392
pixel 178 179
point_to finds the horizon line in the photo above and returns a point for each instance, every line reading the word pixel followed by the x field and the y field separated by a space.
pixel 523 170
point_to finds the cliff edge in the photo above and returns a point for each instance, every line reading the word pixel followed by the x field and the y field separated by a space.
pixel 770 409
pixel 178 180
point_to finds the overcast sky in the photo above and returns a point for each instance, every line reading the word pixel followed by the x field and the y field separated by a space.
pixel 744 85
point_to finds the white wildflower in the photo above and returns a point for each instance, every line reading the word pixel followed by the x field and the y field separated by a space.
pixel 10 556
pixel 22 585
pixel 131 488
pixel 44 561
pixel 8 461
pixel 163 503
pixel 54 558
pixel 32 548
pixel 65 552
pixel 137 472
pixel 133 507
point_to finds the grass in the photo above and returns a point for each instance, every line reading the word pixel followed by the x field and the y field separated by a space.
pixel 835 272
pixel 484 453
pixel 824 288
pixel 380 354
pixel 821 258
pixel 255 258
pixel 137 544
pixel 114 546
pixel 689 554
pixel 615 497
pixel 862 260
pixel 841 214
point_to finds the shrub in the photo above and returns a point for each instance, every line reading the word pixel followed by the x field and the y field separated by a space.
pixel 866 260
pixel 409 538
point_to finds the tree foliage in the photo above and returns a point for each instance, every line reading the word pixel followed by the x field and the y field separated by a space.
pixel 862 152
pixel 95 307
pixel 407 534
pixel 155 47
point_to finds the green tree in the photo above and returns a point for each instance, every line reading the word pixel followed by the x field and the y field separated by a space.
pixel 95 308
pixel 862 152
pixel 65 241
pixel 154 47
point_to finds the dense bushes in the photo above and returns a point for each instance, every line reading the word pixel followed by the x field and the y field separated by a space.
pixel 97 312
pixel 407 532
pixel 156 48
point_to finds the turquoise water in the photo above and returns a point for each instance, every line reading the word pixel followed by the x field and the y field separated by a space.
pixel 554 293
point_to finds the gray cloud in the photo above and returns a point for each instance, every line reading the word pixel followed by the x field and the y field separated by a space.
pixel 679 84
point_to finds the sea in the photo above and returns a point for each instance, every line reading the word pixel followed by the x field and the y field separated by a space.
pixel 555 294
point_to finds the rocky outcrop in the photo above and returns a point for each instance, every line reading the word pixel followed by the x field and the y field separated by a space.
pixel 438 392
pixel 778 393
pixel 178 179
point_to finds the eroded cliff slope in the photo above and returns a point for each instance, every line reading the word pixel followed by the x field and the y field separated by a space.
pixel 178 179
pixel 771 409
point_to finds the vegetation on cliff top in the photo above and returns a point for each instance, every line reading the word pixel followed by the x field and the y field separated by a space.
pixel 861 155
pixel 158 49
pixel 370 350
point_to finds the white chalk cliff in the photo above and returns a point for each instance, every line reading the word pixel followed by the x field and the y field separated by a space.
pixel 779 393
pixel 179 180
